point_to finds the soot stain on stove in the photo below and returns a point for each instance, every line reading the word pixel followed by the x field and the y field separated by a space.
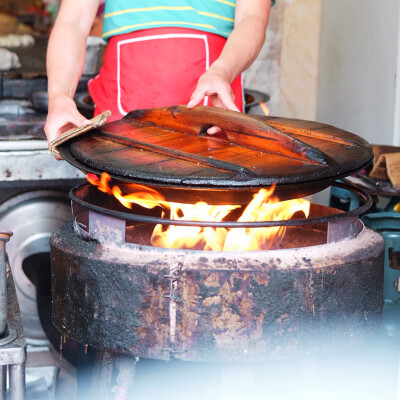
pixel 208 291
pixel 307 261
pixel 236 284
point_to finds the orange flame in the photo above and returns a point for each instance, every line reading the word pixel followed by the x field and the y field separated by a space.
pixel 264 108
pixel 263 207
pixel 138 194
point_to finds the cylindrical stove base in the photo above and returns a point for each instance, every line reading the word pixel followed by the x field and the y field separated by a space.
pixel 217 306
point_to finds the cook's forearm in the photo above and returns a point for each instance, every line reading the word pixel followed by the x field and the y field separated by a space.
pixel 243 44
pixel 67 46
pixel 65 59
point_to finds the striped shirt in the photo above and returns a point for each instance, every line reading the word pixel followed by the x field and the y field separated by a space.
pixel 125 16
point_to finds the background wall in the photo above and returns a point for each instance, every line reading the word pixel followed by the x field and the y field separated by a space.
pixel 264 73
pixel 334 62
pixel 299 59
pixel 287 67
pixel 358 66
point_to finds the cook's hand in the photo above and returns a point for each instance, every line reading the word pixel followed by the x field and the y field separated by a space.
pixel 214 83
pixel 62 115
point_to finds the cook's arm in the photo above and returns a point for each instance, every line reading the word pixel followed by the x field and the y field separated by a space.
pixel 65 62
pixel 240 50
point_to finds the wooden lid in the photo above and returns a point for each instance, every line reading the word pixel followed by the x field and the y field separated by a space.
pixel 169 147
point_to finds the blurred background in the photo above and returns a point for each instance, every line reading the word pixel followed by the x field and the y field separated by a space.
pixel 334 62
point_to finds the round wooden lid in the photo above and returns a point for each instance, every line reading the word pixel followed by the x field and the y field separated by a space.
pixel 169 148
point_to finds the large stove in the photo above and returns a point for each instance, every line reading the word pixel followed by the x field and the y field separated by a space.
pixel 321 287
pixel 317 288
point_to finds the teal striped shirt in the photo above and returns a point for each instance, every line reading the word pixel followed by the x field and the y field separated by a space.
pixel 125 16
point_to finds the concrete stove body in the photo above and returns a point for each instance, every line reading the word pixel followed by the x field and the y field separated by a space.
pixel 114 291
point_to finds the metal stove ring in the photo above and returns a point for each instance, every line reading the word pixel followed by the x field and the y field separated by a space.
pixel 230 224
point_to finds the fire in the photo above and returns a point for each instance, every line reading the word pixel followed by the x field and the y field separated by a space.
pixel 264 108
pixel 263 207
pixel 138 194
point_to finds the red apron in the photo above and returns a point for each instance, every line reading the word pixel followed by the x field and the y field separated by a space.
pixel 155 68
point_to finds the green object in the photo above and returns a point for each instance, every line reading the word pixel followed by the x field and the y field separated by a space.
pixel 388 225
pixel 346 197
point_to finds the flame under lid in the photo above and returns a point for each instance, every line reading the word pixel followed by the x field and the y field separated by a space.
pixel 101 217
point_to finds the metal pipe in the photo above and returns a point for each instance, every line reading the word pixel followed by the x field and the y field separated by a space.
pixel 126 367
pixel 102 375
pixel 17 382
pixel 4 238
pixel 3 382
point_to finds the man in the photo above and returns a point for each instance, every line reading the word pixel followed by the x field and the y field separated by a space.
pixel 159 53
